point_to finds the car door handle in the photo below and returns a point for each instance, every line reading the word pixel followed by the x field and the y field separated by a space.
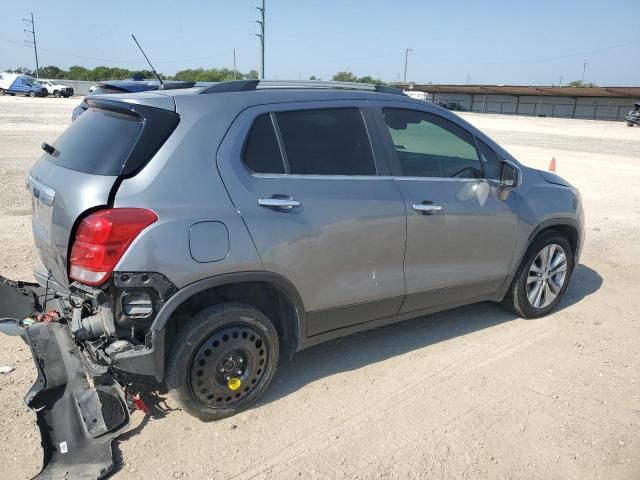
pixel 427 207
pixel 282 203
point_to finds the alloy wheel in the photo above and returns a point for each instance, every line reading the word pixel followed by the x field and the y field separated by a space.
pixel 547 275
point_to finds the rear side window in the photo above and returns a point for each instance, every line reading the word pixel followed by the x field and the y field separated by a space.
pixel 261 152
pixel 107 142
pixel 326 142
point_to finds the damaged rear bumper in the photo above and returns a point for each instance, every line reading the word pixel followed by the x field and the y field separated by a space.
pixel 80 409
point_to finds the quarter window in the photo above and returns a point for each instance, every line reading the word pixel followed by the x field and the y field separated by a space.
pixel 431 146
pixel 262 153
pixel 326 142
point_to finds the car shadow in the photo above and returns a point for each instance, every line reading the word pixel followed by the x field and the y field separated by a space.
pixel 361 349
pixel 365 348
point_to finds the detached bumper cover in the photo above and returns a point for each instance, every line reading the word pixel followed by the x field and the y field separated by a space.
pixel 80 410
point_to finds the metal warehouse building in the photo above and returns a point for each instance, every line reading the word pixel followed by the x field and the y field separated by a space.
pixel 601 103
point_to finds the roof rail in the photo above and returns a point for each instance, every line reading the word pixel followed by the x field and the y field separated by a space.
pixel 251 85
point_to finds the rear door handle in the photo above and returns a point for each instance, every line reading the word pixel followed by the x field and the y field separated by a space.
pixel 281 203
pixel 427 207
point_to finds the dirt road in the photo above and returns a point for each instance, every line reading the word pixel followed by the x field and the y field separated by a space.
pixel 471 393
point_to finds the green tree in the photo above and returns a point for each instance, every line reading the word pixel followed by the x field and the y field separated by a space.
pixel 22 71
pixel 79 73
pixel 581 84
pixel 345 77
pixel 350 77
pixel 52 72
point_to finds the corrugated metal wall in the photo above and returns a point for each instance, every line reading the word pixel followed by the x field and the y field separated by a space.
pixel 597 108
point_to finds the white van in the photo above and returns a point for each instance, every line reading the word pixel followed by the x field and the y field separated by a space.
pixel 16 83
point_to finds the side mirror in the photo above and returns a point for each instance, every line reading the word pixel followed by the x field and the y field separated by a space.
pixel 508 175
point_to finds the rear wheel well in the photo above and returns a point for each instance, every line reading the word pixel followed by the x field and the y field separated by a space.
pixel 272 300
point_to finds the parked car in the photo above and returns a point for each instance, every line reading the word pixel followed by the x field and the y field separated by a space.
pixel 126 86
pixel 15 83
pixel 200 236
pixel 633 117
pixel 56 89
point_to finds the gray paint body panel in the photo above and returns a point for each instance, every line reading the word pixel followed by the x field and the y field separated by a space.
pixel 343 245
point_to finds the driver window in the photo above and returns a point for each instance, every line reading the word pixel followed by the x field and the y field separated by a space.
pixel 430 146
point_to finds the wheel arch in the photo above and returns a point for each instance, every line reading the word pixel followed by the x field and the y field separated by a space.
pixel 569 227
pixel 566 226
pixel 271 293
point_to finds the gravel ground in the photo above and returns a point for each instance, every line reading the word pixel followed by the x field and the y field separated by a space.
pixel 470 393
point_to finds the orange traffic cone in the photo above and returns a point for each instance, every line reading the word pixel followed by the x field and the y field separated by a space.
pixel 552 165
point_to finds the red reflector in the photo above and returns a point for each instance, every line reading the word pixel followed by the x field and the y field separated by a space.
pixel 101 240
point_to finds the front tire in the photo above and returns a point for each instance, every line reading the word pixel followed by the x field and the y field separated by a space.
pixel 629 124
pixel 542 278
pixel 222 361
pixel 56 94
pixel 32 94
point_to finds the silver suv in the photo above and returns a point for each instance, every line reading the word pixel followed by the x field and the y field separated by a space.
pixel 198 236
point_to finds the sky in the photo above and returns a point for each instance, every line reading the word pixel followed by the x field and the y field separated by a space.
pixel 536 42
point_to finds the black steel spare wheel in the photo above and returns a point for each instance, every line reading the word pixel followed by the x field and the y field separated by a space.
pixel 222 360
pixel 228 365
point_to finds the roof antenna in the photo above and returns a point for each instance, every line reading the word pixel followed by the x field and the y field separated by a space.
pixel 147 58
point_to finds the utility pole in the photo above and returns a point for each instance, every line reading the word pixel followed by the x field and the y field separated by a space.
pixel 584 68
pixel 32 40
pixel 406 58
pixel 261 36
pixel 235 70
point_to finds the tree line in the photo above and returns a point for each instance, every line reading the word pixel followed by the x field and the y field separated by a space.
pixel 100 73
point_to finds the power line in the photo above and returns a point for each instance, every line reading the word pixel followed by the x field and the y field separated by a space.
pixel 32 40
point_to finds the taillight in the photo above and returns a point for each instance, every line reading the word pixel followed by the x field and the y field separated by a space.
pixel 101 240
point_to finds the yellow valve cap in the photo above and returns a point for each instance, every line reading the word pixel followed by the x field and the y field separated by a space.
pixel 234 383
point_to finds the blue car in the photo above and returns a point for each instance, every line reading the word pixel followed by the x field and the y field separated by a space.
pixel 127 86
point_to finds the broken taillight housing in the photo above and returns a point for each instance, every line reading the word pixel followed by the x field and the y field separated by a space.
pixel 101 240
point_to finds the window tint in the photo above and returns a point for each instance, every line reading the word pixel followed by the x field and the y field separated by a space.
pixel 106 142
pixel 430 146
pixel 490 161
pixel 326 142
pixel 261 152
pixel 98 142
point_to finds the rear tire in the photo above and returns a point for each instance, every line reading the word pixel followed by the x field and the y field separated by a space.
pixel 541 280
pixel 32 94
pixel 629 124
pixel 56 94
pixel 2 92
pixel 222 361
